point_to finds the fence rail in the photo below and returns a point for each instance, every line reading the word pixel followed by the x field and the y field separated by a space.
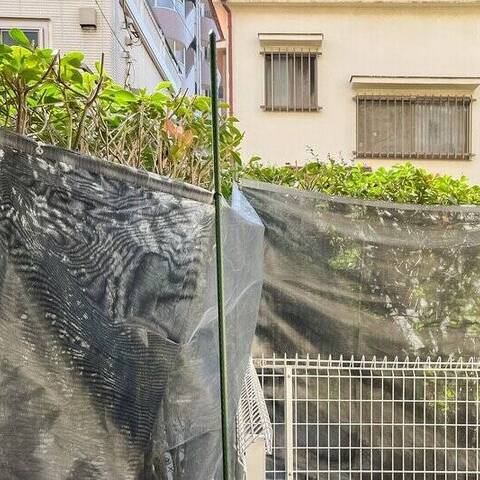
pixel 365 419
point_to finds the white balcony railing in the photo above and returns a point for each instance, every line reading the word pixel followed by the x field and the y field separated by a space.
pixel 154 40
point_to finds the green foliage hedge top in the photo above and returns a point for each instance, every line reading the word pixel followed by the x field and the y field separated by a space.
pixel 55 99
pixel 403 183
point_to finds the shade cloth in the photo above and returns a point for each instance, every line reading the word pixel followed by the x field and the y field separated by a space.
pixel 108 319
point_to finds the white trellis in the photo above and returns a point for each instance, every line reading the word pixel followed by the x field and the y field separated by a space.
pixel 372 419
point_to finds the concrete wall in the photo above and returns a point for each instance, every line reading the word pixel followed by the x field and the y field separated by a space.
pixel 386 39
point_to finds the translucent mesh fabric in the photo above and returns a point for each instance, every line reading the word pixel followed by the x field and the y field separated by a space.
pixel 352 277
pixel 349 277
pixel 108 347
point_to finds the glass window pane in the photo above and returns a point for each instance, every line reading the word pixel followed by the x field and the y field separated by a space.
pixel 32 35
pixel 290 81
pixel 430 127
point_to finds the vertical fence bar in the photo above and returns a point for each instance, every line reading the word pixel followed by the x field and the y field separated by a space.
pixel 289 447
pixel 278 81
pixel 365 119
pixel 403 126
pixel 219 257
pixel 309 91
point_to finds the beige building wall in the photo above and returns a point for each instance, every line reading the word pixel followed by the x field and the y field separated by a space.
pixel 416 39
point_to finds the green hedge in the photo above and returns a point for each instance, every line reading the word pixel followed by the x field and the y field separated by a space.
pixel 403 183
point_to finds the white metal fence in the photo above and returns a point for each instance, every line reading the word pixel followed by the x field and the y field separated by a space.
pixel 372 419
pixel 252 420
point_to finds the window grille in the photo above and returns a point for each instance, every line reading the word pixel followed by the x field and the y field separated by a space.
pixel 436 127
pixel 372 419
pixel 291 80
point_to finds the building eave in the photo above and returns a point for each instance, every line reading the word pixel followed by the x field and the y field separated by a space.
pixel 415 80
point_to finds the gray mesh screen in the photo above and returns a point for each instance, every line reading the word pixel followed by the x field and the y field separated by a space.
pixel 353 277
pixel 108 346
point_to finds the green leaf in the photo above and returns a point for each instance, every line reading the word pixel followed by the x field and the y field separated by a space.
pixel 124 96
pixel 159 99
pixel 166 85
pixel 5 49
pixel 20 38
pixel 74 59
pixel 77 77
pixel 202 104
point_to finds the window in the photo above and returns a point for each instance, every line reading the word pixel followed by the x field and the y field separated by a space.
pixel 413 126
pixel 291 81
pixel 32 34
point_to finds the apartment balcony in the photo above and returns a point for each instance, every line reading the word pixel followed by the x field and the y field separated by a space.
pixel 207 24
pixel 205 72
pixel 155 41
pixel 189 81
pixel 190 17
pixel 190 6
pixel 170 15
pixel 190 58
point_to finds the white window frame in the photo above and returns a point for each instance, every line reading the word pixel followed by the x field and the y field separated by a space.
pixel 40 24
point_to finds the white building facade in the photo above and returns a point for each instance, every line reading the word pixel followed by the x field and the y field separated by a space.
pixel 140 46
pixel 377 82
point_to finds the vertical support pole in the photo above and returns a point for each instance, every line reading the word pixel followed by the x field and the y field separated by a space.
pixel 217 195
pixel 289 422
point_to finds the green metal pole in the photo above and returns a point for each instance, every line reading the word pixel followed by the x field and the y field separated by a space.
pixel 218 237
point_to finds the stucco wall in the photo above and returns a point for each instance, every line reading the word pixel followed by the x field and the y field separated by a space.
pixel 395 40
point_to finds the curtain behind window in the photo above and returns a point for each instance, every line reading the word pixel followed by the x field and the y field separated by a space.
pixel 290 81
pixel 430 127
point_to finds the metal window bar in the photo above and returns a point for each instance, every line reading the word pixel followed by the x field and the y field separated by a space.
pixel 294 86
pixel 430 127
pixel 359 419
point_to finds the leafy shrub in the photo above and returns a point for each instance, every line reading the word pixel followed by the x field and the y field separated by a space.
pixel 403 183
pixel 55 99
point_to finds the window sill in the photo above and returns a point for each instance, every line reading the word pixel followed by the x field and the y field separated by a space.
pixel 291 110
pixel 415 156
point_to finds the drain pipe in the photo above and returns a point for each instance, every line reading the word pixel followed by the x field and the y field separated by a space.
pixel 229 55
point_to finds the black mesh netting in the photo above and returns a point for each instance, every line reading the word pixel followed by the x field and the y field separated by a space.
pixel 361 278
pixel 108 327
pixel 352 277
